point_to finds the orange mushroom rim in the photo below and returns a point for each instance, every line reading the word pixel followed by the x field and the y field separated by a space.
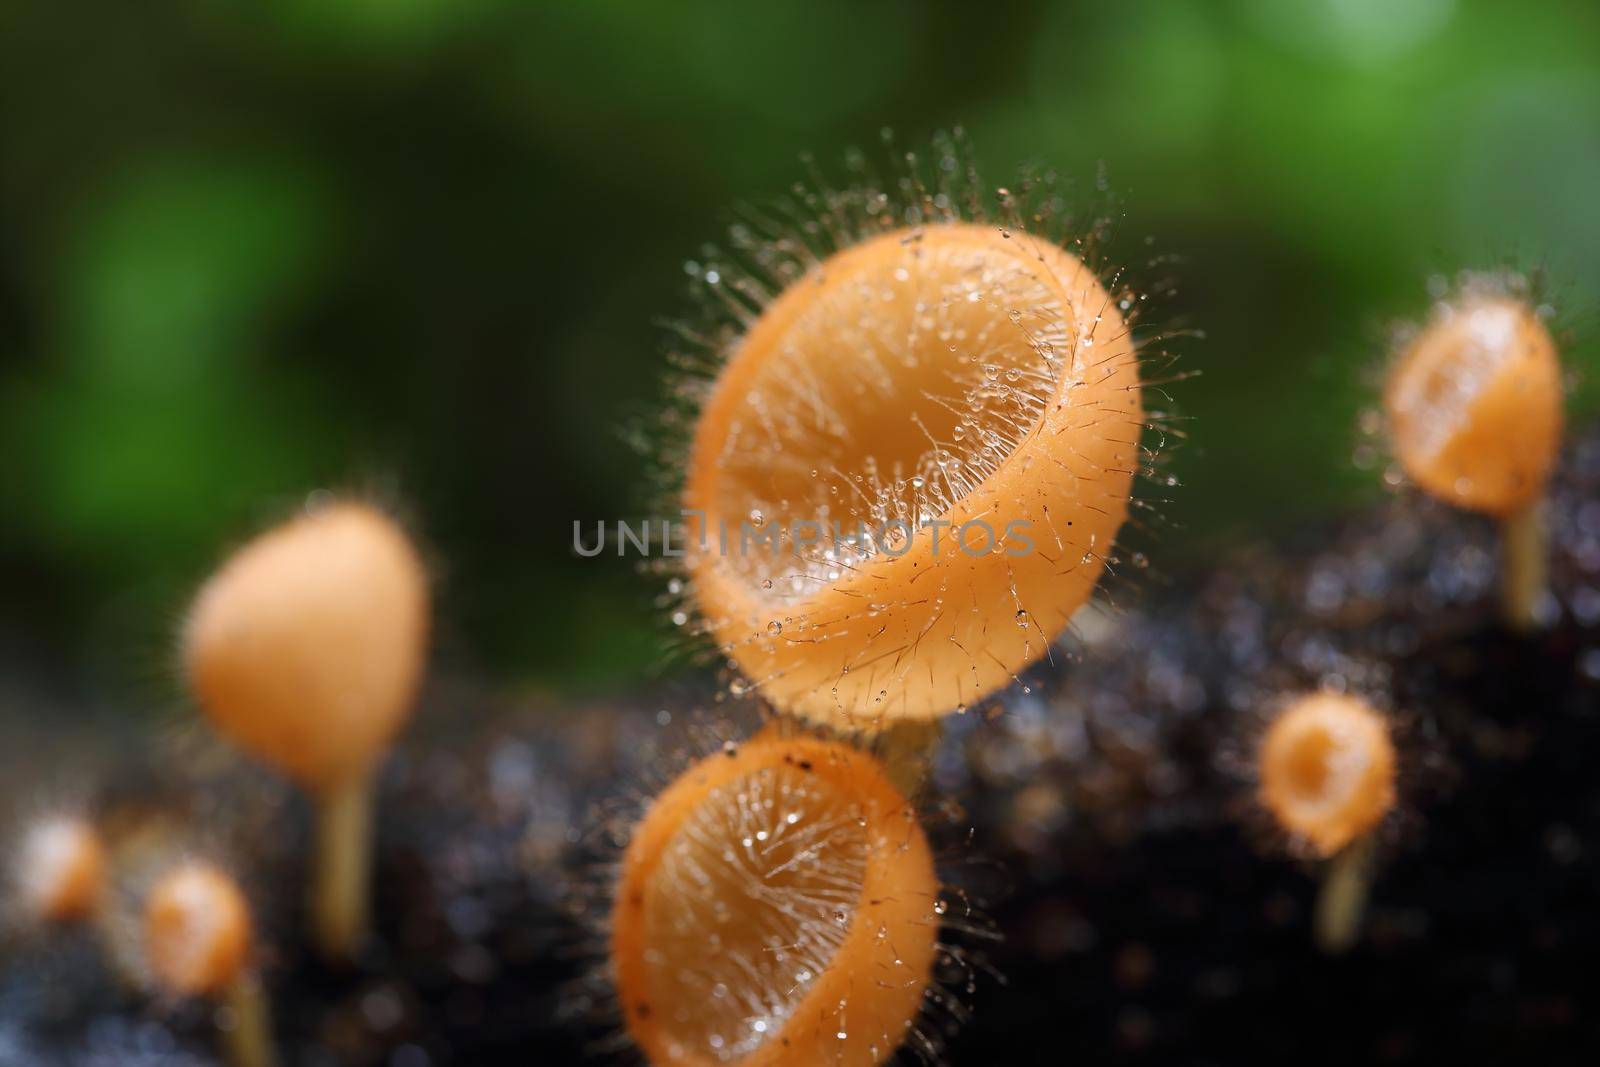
pixel 898 891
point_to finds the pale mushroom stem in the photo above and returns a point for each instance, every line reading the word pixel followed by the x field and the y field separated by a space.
pixel 1523 566
pixel 906 750
pixel 1342 899
pixel 340 882
pixel 249 1040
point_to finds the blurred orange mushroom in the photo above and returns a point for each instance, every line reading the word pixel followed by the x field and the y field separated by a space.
pixel 62 870
pixel 307 649
pixel 1474 407
pixel 1327 774
pixel 197 939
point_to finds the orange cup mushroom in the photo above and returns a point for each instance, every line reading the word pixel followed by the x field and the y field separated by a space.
pixel 307 649
pixel 1327 768
pixel 61 871
pixel 197 943
pixel 968 399
pixel 1474 408
pixel 777 907
pixel 196 931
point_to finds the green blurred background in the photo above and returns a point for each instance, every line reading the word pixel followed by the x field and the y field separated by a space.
pixel 422 247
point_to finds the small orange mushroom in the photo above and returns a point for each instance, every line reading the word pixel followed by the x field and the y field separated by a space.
pixel 62 870
pixel 307 649
pixel 1474 407
pixel 196 931
pixel 776 908
pixel 1327 770
pixel 911 472
pixel 197 940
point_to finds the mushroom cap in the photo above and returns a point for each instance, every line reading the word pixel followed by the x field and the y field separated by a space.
pixel 307 647
pixel 1327 767
pixel 197 930
pixel 978 387
pixel 62 870
pixel 1475 406
pixel 776 906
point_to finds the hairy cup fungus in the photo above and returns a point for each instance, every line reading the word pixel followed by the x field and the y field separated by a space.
pixel 777 906
pixel 306 649
pixel 61 873
pixel 1475 412
pixel 911 470
pixel 1327 774
pixel 197 943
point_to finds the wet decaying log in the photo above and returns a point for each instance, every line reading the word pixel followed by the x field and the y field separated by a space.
pixel 1102 821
